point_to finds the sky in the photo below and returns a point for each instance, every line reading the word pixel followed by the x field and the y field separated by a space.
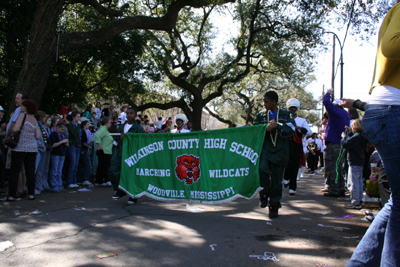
pixel 359 60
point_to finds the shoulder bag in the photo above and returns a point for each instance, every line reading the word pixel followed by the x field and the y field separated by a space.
pixel 12 141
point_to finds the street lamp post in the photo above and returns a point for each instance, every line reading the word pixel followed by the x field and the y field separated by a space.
pixel 341 63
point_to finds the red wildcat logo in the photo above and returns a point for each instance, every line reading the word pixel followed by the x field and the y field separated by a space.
pixel 187 168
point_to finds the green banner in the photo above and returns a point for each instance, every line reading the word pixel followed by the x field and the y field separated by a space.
pixel 209 167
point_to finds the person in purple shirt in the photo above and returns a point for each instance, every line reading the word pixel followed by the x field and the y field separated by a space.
pixel 338 118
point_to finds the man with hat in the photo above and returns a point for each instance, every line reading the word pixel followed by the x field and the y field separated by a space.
pixel 295 145
pixel 180 120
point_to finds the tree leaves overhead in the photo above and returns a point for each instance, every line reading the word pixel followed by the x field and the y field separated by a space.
pixel 111 70
pixel 15 22
pixel 99 54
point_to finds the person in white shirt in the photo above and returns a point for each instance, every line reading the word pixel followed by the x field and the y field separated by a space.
pixel 122 117
pixel 98 110
pixel 180 121
pixel 159 123
pixel 295 146
pixel 130 126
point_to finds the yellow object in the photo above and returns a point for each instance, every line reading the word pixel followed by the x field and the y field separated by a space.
pixel 387 64
pixel 372 188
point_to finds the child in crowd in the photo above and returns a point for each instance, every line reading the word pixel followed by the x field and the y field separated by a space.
pixel 146 125
pixel 122 117
pixel 74 148
pixel 59 144
pixel 98 110
pixel 65 109
pixel 88 111
pixel 53 124
pixel 355 146
pixel 84 167
pixel 151 128
pixel 170 124
pixel 93 120
pixel 43 157
pixel 159 123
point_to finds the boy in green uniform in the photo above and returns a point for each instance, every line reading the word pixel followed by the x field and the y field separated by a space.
pixel 130 126
pixel 275 152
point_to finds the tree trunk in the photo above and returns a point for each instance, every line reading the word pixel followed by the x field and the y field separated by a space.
pixel 197 113
pixel 41 50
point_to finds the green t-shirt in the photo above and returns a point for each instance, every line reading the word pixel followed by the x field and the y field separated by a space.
pixel 74 131
pixel 104 138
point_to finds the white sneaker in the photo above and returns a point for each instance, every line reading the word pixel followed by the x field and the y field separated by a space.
pixel 37 192
pixel 86 183
pixel 76 185
pixel 132 201
pixel 292 192
pixel 104 184
pixel 71 186
pixel 109 183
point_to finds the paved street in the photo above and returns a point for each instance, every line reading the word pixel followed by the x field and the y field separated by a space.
pixel 152 233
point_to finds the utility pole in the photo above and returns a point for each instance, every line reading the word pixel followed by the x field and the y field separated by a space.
pixel 333 67
pixel 323 108
pixel 333 64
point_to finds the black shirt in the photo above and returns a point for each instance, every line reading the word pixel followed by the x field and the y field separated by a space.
pixel 58 150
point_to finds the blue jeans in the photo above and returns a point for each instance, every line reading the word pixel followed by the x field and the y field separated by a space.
pixel 42 171
pixel 380 245
pixel 84 167
pixel 356 180
pixel 56 166
pixel 73 154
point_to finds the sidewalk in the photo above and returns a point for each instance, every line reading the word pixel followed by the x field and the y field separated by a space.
pixel 75 227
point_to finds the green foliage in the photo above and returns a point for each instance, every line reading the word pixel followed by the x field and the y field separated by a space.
pixel 111 70
pixel 241 104
pixel 16 18
pixel 276 44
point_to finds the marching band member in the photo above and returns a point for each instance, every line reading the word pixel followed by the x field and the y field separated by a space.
pixel 275 152
pixel 295 146
pixel 180 120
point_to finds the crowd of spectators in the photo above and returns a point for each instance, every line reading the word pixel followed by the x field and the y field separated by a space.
pixel 69 149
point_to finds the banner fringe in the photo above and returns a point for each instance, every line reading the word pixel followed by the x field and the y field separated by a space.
pixel 170 200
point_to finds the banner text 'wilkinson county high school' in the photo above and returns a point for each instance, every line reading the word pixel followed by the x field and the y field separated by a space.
pixel 209 167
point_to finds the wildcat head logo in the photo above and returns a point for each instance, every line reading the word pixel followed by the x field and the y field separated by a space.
pixel 187 168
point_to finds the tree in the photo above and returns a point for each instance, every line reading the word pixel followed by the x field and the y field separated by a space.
pixel 262 22
pixel 280 47
pixel 46 44
pixel 276 37
pixel 15 21
pixel 240 105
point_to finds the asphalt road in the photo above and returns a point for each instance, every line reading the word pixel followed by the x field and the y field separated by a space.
pixel 152 233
